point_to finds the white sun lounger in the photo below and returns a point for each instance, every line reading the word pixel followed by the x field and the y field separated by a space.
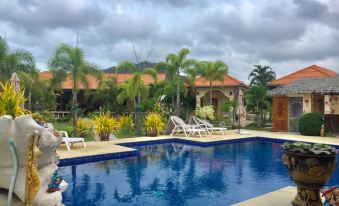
pixel 211 129
pixel 181 126
pixel 70 140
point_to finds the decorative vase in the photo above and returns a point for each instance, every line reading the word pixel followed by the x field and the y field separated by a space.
pixel 309 172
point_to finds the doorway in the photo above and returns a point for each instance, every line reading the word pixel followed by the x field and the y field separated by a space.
pixel 296 111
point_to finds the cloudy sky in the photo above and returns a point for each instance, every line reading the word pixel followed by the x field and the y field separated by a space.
pixel 285 34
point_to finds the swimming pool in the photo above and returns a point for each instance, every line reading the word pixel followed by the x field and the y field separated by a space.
pixel 180 174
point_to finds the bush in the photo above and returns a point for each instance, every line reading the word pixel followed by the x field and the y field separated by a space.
pixel 104 125
pixel 154 124
pixel 11 102
pixel 86 129
pixel 310 124
pixel 125 123
pixel 38 118
pixel 48 116
pixel 206 112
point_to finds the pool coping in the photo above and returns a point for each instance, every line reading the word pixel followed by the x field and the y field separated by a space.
pixel 134 152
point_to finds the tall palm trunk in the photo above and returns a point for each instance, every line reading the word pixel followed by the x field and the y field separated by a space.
pixel 75 113
pixel 211 94
pixel 178 101
pixel 173 102
pixel 75 104
pixel 138 113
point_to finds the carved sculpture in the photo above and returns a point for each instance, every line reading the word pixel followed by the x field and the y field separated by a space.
pixel 35 149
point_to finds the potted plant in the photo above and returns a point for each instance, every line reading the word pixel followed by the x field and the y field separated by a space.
pixel 310 166
pixel 104 125
pixel 154 124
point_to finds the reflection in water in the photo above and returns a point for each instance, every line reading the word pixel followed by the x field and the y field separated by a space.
pixel 175 174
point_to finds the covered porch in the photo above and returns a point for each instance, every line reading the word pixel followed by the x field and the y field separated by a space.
pixel 313 95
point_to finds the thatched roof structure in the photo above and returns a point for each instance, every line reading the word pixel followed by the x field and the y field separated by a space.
pixel 324 85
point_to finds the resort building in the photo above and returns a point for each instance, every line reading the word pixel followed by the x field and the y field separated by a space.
pixel 221 91
pixel 312 89
pixel 93 84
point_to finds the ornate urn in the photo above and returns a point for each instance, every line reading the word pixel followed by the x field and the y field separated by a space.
pixel 310 166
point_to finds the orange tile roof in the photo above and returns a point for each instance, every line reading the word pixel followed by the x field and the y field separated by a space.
pixel 228 81
pixel 93 82
pixel 308 72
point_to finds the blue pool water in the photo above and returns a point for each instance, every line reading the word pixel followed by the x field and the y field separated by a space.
pixel 177 174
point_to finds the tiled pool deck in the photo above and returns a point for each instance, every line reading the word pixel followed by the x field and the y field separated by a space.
pixel 119 148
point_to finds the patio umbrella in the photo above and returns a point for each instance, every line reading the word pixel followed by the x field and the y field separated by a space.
pixel 240 109
pixel 16 81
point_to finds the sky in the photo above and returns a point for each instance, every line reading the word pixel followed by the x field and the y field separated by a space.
pixel 285 34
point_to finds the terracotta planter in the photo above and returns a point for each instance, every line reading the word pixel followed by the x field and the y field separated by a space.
pixel 310 173
pixel 152 134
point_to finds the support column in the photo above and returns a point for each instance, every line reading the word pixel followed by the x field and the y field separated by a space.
pixel 327 104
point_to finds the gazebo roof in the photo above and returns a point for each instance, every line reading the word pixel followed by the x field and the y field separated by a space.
pixel 324 85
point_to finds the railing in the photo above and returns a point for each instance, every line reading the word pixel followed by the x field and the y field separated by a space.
pixel 60 114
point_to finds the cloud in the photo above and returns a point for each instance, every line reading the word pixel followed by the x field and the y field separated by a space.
pixel 286 34
pixel 37 15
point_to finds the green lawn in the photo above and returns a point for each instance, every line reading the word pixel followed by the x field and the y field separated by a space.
pixel 61 126
pixel 254 126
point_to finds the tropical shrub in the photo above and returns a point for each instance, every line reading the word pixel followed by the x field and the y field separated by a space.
pixel 125 123
pixel 12 102
pixel 86 128
pixel 104 125
pixel 38 118
pixel 48 116
pixel 154 124
pixel 206 112
pixel 229 105
pixel 310 124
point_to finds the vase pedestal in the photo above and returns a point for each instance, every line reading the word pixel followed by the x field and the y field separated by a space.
pixel 307 197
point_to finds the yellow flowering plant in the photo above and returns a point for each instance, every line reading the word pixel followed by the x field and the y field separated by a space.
pixel 11 101
pixel 154 124
pixel 104 125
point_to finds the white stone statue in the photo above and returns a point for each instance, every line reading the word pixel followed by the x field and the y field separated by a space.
pixel 44 159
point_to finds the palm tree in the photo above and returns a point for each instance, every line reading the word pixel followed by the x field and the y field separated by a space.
pixel 135 87
pixel 213 71
pixel 175 65
pixel 68 61
pixel 258 101
pixel 20 60
pixel 261 75
pixel 40 93
pixel 107 93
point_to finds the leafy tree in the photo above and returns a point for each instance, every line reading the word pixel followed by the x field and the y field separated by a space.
pixel 68 61
pixel 107 93
pixel 213 71
pixel 176 65
pixel 135 87
pixel 261 75
pixel 40 93
pixel 19 60
pixel 258 101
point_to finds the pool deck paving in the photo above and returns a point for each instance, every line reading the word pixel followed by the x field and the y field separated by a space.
pixel 107 147
pixel 281 197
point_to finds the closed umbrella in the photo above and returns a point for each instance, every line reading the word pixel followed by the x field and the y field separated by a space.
pixel 16 81
pixel 240 109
